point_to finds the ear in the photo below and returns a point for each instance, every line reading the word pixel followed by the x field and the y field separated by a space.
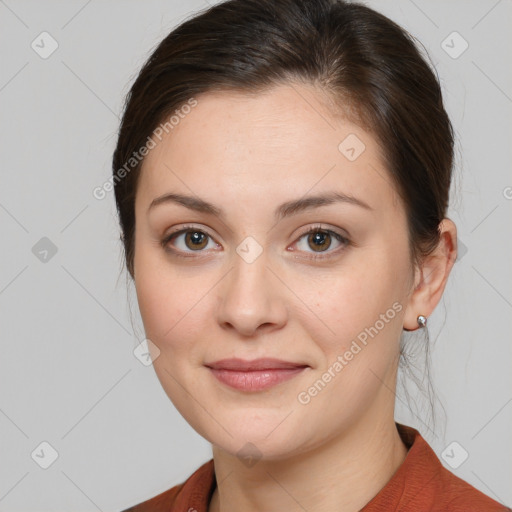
pixel 430 280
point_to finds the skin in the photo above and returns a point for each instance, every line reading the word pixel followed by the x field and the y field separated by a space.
pixel 248 155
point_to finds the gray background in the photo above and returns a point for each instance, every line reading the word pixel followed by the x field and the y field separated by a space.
pixel 68 375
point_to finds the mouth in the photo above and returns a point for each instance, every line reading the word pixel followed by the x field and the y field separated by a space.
pixel 255 375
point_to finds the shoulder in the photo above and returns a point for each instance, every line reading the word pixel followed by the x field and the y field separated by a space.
pixel 447 492
pixel 426 485
pixel 159 503
pixel 194 492
pixel 460 496
pixel 457 495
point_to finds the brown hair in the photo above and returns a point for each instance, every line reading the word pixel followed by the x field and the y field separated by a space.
pixel 365 62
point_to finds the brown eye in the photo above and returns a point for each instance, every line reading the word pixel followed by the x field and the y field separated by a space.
pixel 187 241
pixel 196 240
pixel 319 241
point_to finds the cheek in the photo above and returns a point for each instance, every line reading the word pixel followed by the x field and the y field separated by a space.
pixel 173 305
pixel 160 298
pixel 365 315
pixel 163 310
pixel 349 299
pixel 358 311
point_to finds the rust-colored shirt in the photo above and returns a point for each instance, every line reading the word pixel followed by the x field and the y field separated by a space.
pixel 420 484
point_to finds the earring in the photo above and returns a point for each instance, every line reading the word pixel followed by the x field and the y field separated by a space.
pixel 422 320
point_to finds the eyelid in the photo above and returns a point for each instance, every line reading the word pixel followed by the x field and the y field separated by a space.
pixel 319 227
pixel 187 227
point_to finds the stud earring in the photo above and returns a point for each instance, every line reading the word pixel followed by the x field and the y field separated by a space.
pixel 422 320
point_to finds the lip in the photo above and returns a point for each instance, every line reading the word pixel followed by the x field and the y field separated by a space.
pixel 255 375
pixel 264 363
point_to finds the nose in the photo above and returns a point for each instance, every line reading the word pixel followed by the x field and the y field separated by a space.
pixel 252 297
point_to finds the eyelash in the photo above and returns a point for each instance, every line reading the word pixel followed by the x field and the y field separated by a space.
pixel 313 230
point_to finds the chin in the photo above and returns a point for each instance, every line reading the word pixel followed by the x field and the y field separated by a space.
pixel 249 452
pixel 256 435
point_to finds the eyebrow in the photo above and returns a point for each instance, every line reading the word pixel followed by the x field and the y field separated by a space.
pixel 284 210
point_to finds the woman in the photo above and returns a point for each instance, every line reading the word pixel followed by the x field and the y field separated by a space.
pixel 282 178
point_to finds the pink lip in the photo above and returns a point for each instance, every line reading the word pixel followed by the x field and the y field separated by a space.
pixel 265 363
pixel 255 375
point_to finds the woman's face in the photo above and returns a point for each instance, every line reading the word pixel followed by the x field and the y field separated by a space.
pixel 247 281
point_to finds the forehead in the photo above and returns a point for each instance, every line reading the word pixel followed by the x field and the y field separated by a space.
pixel 277 144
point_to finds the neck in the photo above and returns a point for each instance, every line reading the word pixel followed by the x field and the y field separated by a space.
pixel 343 474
